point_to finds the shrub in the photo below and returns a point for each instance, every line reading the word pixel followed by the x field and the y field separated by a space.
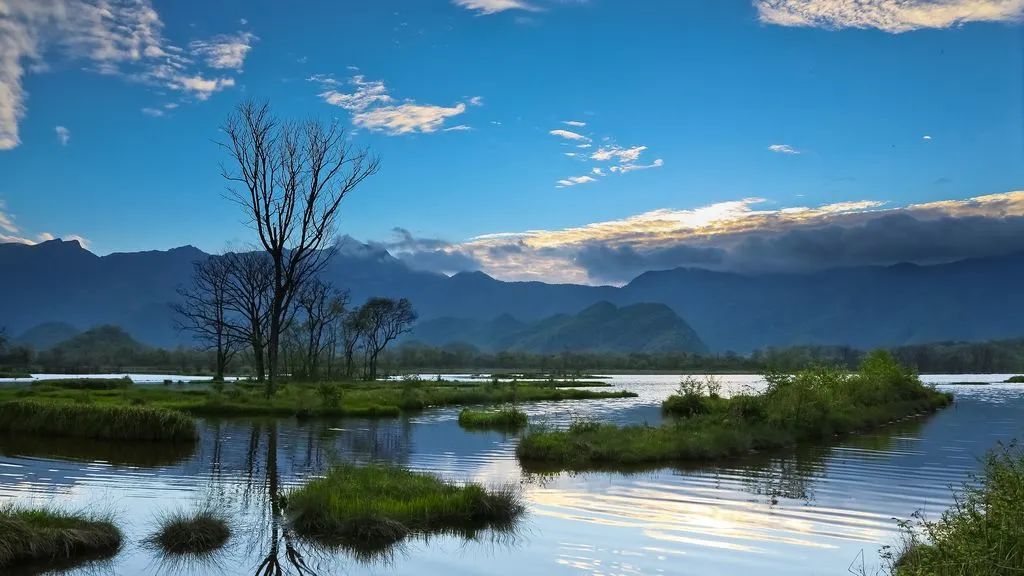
pixel 330 394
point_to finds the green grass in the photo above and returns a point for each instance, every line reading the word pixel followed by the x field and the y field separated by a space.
pixel 811 405
pixel 14 374
pixel 196 534
pixel 507 418
pixel 372 399
pixel 46 538
pixel 85 383
pixel 377 506
pixel 95 421
pixel 1015 380
pixel 981 535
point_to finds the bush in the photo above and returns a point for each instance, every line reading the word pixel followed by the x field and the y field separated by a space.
pixel 330 394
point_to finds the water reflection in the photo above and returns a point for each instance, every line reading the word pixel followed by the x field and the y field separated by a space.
pixel 808 511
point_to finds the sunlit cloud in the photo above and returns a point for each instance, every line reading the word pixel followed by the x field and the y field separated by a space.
pixel 373 108
pixel 893 16
pixel 10 232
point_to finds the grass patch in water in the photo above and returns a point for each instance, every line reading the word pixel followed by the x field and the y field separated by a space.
pixel 377 506
pixel 981 535
pixel 507 418
pixel 49 537
pixel 810 405
pixel 196 534
pixel 331 399
pixel 95 421
pixel 1015 380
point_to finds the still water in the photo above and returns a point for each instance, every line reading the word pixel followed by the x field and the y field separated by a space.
pixel 813 511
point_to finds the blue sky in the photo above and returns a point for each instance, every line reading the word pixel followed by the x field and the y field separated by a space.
pixel 797 103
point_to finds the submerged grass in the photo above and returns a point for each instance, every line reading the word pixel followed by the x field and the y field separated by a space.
pixel 49 537
pixel 190 534
pixel 377 506
pixel 981 535
pixel 95 421
pixel 507 418
pixel 331 399
pixel 811 405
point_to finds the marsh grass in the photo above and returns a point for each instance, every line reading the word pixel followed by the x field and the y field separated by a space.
pixel 506 418
pixel 95 421
pixel 86 383
pixel 982 534
pixel 1015 380
pixel 377 506
pixel 50 537
pixel 373 399
pixel 194 534
pixel 811 405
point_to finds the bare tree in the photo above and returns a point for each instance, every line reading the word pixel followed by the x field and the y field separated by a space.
pixel 385 319
pixel 204 310
pixel 352 330
pixel 249 292
pixel 321 306
pixel 291 180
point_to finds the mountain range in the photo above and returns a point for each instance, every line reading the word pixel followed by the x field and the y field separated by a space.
pixel 975 299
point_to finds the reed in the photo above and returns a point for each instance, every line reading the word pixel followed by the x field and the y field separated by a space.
pixel 95 421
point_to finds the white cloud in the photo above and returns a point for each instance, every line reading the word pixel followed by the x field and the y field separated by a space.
pixel 373 108
pixel 154 112
pixel 120 37
pixel 783 149
pixel 568 135
pixel 575 180
pixel 926 137
pixel 494 6
pixel 12 233
pixel 617 153
pixel 458 128
pixel 574 123
pixel 888 15
pixel 63 135
pixel 624 168
pixel 476 101
pixel 226 51
pixel 597 171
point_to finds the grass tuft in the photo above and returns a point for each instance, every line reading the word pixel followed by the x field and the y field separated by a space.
pixel 50 537
pixel 377 506
pixel 86 420
pixel 507 418
pixel 196 534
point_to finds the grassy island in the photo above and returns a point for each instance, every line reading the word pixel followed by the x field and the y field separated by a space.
pixel 376 506
pixel 196 534
pixel 981 535
pixel 1015 380
pixel 508 418
pixel 811 405
pixel 92 421
pixel 328 399
pixel 48 538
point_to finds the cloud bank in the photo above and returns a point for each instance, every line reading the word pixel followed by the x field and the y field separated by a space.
pixel 892 16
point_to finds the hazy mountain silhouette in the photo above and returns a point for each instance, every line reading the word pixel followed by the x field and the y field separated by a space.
pixel 976 299
pixel 602 327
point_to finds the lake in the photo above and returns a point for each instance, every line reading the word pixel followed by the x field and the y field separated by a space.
pixel 818 510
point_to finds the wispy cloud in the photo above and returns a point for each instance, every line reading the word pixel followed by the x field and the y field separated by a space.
pixel 624 168
pixel 63 135
pixel 458 128
pixel 574 181
pixel 569 135
pixel 574 123
pixel 494 6
pixel 226 51
pixel 10 232
pixel 783 149
pixel 373 108
pixel 888 15
pixel 154 112
pixel 117 38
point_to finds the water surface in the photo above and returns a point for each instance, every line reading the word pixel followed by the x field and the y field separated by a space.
pixel 812 511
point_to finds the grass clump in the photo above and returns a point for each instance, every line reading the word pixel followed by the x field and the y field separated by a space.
pixel 87 420
pixel 1015 380
pixel 376 506
pixel 810 405
pixel 49 537
pixel 507 418
pixel 982 534
pixel 196 534
pixel 86 383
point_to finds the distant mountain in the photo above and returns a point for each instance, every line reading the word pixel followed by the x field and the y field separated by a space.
pixel 46 335
pixel 970 300
pixel 602 327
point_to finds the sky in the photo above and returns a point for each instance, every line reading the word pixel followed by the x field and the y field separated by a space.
pixel 557 140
